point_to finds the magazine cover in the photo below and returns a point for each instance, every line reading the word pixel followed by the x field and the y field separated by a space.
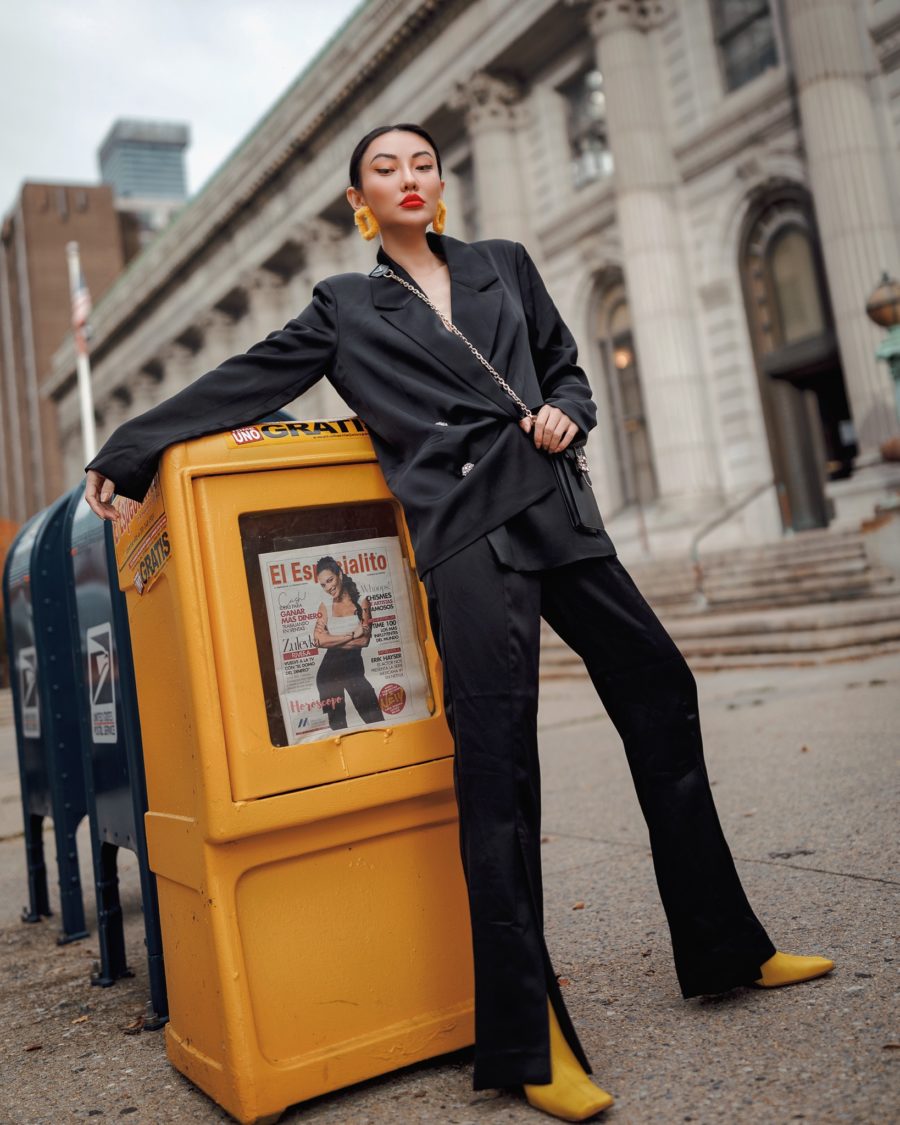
pixel 343 637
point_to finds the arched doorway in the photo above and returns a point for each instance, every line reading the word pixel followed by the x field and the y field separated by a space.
pixel 804 399
pixel 634 454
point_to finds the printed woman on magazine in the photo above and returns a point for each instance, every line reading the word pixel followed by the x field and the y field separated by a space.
pixel 343 629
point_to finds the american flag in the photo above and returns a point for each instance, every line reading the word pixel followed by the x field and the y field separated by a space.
pixel 81 310
pixel 81 303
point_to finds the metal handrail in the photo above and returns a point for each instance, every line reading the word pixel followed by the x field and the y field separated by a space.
pixel 719 518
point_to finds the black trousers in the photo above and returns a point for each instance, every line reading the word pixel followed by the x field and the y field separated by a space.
pixel 341 673
pixel 486 621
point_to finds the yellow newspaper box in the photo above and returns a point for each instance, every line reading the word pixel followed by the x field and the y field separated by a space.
pixel 302 822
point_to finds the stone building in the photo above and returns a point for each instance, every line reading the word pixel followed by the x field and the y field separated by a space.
pixel 709 187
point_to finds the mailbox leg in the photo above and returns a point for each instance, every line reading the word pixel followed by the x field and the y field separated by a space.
pixel 70 900
pixel 110 931
pixel 158 1006
pixel 38 896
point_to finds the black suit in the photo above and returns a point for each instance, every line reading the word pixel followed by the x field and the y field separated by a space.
pixel 496 553
pixel 402 372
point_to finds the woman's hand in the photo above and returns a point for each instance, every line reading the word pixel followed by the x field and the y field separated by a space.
pixel 97 494
pixel 553 429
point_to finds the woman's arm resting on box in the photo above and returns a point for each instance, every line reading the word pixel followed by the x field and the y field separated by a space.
pixel 238 392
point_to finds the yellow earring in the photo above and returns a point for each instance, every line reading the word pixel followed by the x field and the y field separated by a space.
pixel 366 221
pixel 440 217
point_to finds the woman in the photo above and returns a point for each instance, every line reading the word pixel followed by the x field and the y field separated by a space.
pixel 343 631
pixel 496 551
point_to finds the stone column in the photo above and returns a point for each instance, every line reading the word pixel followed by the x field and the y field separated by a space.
pixel 851 193
pixel 491 106
pixel 266 307
pixel 218 330
pixel 147 388
pixel 325 246
pixel 114 410
pixel 181 367
pixel 325 252
pixel 656 264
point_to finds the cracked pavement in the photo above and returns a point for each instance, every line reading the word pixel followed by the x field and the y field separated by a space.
pixel 803 764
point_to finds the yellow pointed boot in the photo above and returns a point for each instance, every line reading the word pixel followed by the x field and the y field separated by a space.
pixel 570 1095
pixel 790 968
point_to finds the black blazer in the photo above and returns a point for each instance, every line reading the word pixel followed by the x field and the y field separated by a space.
pixel 393 362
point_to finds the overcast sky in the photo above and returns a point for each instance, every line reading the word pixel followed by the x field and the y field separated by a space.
pixel 71 67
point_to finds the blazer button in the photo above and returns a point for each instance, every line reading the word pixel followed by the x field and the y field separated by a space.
pixel 469 465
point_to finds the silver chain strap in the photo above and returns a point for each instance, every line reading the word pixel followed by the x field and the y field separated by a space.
pixel 580 455
pixel 526 412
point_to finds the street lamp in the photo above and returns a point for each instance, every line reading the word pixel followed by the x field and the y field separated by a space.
pixel 883 307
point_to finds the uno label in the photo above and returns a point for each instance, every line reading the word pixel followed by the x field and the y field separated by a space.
pixel 295 431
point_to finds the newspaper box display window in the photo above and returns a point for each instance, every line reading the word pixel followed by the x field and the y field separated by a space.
pixel 319 628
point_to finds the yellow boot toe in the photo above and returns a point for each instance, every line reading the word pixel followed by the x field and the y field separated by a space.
pixel 790 968
pixel 571 1095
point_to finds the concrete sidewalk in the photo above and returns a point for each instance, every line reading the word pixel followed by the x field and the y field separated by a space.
pixel 803 763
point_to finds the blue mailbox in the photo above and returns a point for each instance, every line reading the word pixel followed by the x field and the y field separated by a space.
pixel 46 717
pixel 111 744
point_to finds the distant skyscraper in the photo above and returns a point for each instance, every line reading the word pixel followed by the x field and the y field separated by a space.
pixel 144 163
pixel 145 159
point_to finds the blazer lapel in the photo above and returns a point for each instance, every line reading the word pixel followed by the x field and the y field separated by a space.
pixel 476 296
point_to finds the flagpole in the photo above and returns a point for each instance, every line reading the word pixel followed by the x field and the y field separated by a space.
pixel 80 309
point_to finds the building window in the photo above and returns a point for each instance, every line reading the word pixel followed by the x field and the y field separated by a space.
pixel 588 139
pixel 634 455
pixel 745 35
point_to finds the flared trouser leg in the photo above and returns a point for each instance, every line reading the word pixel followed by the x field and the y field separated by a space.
pixel 650 694
pixel 486 621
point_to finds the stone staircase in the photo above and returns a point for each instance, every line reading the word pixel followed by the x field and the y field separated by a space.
pixel 814 598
